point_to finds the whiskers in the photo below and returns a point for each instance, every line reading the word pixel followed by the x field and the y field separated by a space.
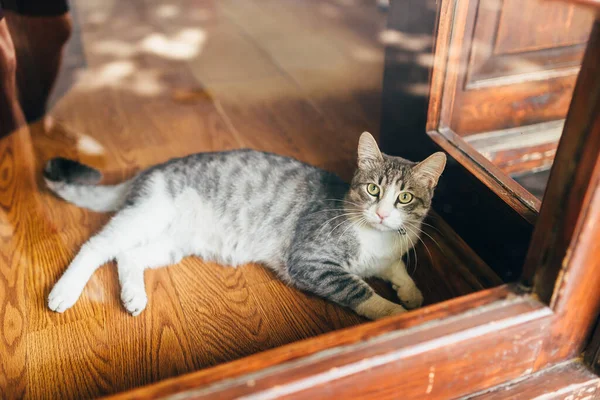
pixel 411 246
pixel 360 221
pixel 350 218
pixel 349 212
pixel 417 231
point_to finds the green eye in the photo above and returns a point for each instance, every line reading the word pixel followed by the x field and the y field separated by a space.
pixel 405 198
pixel 373 189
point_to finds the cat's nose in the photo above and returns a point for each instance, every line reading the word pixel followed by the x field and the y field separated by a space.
pixel 382 215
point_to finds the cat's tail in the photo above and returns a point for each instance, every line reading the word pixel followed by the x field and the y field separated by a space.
pixel 78 184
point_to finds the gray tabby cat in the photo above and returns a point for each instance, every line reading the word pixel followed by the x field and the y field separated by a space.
pixel 316 232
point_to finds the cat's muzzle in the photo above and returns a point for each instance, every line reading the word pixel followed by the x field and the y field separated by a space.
pixel 402 231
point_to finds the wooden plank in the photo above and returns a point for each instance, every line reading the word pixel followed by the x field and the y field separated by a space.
pixel 15 179
pixel 520 150
pixel 563 264
pixel 571 380
pixel 309 347
pixel 85 373
pixel 373 363
pixel 154 346
pixel 492 176
pixel 296 316
pixel 226 319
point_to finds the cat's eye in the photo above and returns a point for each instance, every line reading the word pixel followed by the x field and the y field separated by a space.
pixel 373 189
pixel 405 198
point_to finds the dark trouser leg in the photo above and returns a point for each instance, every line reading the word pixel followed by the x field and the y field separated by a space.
pixel 11 116
pixel 39 43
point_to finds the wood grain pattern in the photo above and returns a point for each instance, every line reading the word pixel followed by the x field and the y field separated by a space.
pixel 509 106
pixel 565 258
pixel 297 350
pixel 371 366
pixel 571 380
pixel 487 77
pixel 499 107
pixel 74 374
pixel 492 176
pixel 520 150
pixel 503 78
pixel 17 179
pixel 543 34
pixel 525 160
pixel 160 81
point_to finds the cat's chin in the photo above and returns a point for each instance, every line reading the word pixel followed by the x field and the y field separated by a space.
pixel 381 227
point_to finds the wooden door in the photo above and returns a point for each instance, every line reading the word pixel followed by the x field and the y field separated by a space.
pixel 510 77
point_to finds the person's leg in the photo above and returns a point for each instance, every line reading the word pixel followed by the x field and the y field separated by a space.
pixel 39 42
pixel 11 116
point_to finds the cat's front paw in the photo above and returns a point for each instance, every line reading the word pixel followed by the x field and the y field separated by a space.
pixel 410 295
pixel 63 295
pixel 134 300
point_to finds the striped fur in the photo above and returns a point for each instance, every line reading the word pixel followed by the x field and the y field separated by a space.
pixel 316 232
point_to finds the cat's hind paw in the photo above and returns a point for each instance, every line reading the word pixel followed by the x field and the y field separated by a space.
pixel 134 300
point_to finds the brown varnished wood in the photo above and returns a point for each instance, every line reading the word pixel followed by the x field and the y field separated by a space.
pixel 504 45
pixel 285 371
pixel 449 58
pixel 575 20
pixel 589 3
pixel 242 330
pixel 16 157
pixel 592 350
pixel 487 77
pixel 243 89
pixel 449 73
pixel 502 78
pixel 298 350
pixel 571 380
pixel 492 176
pixel 515 105
pixel 527 160
pixel 520 150
pixel 562 262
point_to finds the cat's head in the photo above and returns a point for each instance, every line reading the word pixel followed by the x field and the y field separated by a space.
pixel 391 193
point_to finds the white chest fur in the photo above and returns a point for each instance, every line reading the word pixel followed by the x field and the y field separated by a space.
pixel 378 250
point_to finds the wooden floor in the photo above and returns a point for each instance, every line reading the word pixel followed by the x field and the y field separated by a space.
pixel 153 80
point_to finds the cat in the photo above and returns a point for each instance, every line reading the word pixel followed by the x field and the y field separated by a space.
pixel 316 232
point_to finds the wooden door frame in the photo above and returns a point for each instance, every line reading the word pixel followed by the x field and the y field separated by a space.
pixel 472 343
pixel 560 266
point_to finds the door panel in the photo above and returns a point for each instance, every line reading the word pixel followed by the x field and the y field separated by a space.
pixel 511 64
pixel 516 72
pixel 540 25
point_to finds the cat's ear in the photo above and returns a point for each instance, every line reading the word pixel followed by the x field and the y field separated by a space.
pixel 430 169
pixel 368 151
